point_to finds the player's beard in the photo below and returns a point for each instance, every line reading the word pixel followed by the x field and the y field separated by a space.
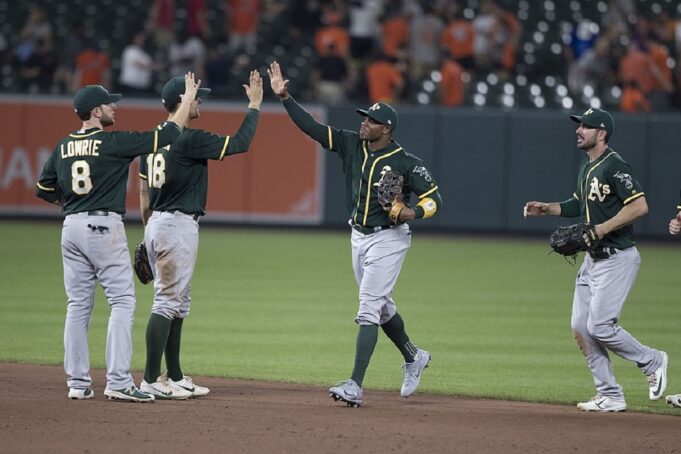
pixel 107 121
pixel 588 144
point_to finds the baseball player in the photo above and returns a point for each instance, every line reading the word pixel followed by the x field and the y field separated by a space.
pixel 173 190
pixel 87 174
pixel 674 229
pixel 608 197
pixel 379 247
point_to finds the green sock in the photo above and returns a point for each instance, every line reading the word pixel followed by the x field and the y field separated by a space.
pixel 157 336
pixel 367 336
pixel 394 329
pixel 173 350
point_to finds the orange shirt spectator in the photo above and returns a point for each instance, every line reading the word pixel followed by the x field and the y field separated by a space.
pixel 335 36
pixel 511 30
pixel 92 68
pixel 458 39
pixel 633 100
pixel 395 35
pixel 385 81
pixel 660 55
pixel 243 16
pixel 451 86
pixel 636 67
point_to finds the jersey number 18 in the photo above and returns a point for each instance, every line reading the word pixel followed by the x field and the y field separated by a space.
pixel 156 173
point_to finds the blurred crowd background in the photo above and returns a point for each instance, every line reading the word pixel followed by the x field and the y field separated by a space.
pixel 558 54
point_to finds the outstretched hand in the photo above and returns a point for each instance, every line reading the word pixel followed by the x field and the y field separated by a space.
pixel 675 225
pixel 191 86
pixel 254 90
pixel 535 209
pixel 277 82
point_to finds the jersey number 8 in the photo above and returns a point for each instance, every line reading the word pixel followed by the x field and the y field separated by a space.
pixel 80 177
pixel 156 165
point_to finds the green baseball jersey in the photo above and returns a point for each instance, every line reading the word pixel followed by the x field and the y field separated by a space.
pixel 604 186
pixel 89 170
pixel 364 167
pixel 177 176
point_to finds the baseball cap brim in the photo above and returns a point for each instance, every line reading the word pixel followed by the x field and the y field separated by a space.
pixel 593 122
pixel 367 113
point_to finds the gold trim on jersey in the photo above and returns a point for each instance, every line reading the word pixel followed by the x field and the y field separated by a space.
pixel 429 192
pixel 43 188
pixel 633 197
pixel 155 149
pixel 82 136
pixel 584 183
pixel 359 190
pixel 224 148
pixel 144 177
pixel 330 138
pixel 429 207
pixel 371 172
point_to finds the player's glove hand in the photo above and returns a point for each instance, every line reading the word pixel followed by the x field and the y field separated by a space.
pixel 142 266
pixel 390 196
pixel 571 239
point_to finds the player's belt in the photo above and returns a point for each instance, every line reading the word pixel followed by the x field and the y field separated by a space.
pixel 603 253
pixel 97 213
pixel 369 230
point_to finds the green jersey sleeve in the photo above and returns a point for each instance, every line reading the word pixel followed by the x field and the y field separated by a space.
pixel 132 144
pixel 419 180
pixel 48 186
pixel 623 183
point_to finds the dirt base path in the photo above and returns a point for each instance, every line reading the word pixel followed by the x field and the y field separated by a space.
pixel 260 417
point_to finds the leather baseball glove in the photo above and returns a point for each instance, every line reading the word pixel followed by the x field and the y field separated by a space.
pixel 569 240
pixel 390 195
pixel 141 264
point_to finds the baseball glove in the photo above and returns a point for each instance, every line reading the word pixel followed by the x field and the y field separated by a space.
pixel 571 239
pixel 141 264
pixel 390 196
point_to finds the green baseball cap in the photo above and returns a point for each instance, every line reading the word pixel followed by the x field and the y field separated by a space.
pixel 596 118
pixel 91 96
pixel 382 113
pixel 170 94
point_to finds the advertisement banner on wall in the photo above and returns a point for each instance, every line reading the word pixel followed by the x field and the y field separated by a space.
pixel 279 180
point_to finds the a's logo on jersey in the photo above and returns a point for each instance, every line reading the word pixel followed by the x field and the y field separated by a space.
pixel 423 173
pixel 376 106
pixel 383 171
pixel 598 191
pixel 625 179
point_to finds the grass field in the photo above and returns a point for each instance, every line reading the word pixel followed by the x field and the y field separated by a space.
pixel 279 305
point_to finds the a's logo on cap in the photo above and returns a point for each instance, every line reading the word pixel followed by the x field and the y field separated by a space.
pixel 589 112
pixel 376 106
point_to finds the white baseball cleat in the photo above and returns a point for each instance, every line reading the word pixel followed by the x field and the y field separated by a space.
pixel 164 390
pixel 81 394
pixel 413 371
pixel 603 403
pixel 674 400
pixel 347 391
pixel 657 381
pixel 188 384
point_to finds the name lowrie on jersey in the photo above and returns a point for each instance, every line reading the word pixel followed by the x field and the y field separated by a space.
pixel 88 147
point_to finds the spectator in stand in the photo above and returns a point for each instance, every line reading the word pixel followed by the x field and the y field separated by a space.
pixel 161 22
pixel 37 72
pixel 332 36
pixel 508 39
pixel 241 21
pixel 659 96
pixel 329 78
pixel 137 68
pixel 395 33
pixel 485 25
pixel 73 44
pixel 592 68
pixel 218 66
pixel 458 38
pixel 633 100
pixel 306 16
pixel 197 21
pixel 93 67
pixel 384 80
pixel 637 66
pixel 452 86
pixel 187 54
pixel 424 43
pixel 37 28
pixel 364 27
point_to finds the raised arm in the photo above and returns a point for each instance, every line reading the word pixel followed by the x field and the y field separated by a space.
pixel 191 86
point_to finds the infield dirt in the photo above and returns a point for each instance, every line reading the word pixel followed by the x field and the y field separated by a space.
pixel 259 417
